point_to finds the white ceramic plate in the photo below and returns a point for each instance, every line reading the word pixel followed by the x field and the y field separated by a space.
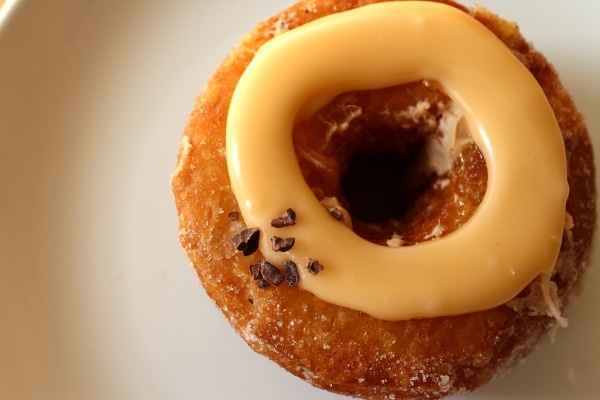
pixel 97 300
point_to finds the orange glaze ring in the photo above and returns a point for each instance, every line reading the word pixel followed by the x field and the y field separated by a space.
pixel 487 261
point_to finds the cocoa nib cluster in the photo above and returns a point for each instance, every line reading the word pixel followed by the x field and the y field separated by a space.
pixel 263 272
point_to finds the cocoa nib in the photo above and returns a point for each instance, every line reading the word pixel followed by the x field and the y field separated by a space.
pixel 234 215
pixel 266 274
pixel 314 267
pixel 288 218
pixel 262 283
pixel 335 213
pixel 255 271
pixel 291 273
pixel 281 244
pixel 247 240
pixel 271 273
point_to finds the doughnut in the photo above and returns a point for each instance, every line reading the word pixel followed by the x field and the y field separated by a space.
pixel 403 212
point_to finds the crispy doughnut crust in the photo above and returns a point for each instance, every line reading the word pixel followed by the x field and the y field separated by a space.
pixel 343 350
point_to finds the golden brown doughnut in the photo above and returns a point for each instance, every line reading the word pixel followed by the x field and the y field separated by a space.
pixel 340 349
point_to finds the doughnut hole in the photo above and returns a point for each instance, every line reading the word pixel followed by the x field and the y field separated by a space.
pixel 399 160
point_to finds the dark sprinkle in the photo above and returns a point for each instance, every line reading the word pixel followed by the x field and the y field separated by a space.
pixel 255 271
pixel 281 244
pixel 234 215
pixel 288 218
pixel 247 240
pixel 262 283
pixel 291 273
pixel 335 213
pixel 250 301
pixel 313 266
pixel 271 273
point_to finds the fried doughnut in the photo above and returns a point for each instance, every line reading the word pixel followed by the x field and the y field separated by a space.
pixel 417 138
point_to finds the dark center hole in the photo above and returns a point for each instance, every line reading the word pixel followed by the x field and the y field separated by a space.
pixel 382 185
